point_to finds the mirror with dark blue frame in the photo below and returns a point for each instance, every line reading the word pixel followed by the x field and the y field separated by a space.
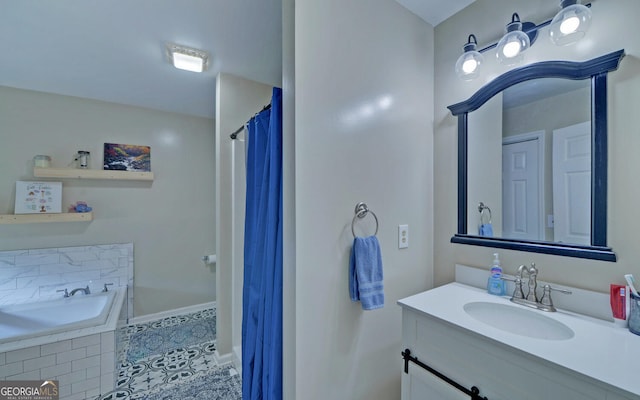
pixel 520 219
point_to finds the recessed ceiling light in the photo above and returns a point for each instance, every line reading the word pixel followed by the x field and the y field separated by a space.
pixel 187 58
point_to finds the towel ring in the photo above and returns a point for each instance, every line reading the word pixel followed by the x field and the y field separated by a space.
pixel 361 211
pixel 481 209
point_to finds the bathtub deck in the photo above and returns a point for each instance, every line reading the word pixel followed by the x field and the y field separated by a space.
pixel 182 365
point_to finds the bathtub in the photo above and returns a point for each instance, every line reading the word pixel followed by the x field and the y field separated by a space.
pixel 72 340
pixel 23 325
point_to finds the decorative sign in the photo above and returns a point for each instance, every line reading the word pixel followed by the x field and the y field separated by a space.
pixel 127 157
pixel 38 197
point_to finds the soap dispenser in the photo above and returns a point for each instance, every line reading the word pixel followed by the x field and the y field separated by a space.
pixel 495 284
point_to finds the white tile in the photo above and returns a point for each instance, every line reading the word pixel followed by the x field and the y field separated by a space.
pixel 23 354
pixel 107 363
pixel 107 342
pixel 60 268
pixel 79 257
pixel 31 375
pixel 87 384
pixel 7 261
pixel 107 382
pixel 73 249
pixel 37 259
pixel 72 355
pixel 91 393
pixel 77 396
pixel 37 281
pixel 11 369
pixel 42 251
pixel 18 296
pixel 8 284
pixel 15 272
pixel 57 347
pixel 55 371
pixel 84 363
pixel 85 341
pixel 93 350
pixel 73 377
pixel 40 362
pixel 64 390
pixel 93 372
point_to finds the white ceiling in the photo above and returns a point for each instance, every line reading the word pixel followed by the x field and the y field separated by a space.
pixel 435 11
pixel 113 50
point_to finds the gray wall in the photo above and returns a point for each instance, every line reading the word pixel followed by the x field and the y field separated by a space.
pixel 362 132
pixel 237 100
pixel 613 28
pixel 171 221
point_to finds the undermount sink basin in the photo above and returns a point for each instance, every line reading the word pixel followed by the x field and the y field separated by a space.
pixel 519 321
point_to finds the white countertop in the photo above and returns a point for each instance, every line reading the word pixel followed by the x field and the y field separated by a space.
pixel 598 349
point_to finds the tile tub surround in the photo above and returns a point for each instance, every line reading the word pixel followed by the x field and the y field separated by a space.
pixel 84 366
pixel 35 274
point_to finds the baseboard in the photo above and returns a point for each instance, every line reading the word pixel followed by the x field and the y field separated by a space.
pixel 171 313
pixel 237 358
pixel 223 359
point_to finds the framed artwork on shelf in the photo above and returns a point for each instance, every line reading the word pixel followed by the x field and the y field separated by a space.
pixel 127 157
pixel 38 197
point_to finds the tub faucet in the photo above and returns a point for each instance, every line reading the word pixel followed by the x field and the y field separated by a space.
pixel 85 290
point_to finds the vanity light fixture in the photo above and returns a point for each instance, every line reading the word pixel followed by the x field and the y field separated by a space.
pixel 469 62
pixel 187 58
pixel 570 24
pixel 513 43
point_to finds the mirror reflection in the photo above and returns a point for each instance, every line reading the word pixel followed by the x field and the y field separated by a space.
pixel 529 163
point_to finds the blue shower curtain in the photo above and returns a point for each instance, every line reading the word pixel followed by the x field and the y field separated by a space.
pixel 262 291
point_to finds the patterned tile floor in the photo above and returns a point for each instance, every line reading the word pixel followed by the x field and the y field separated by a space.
pixel 173 359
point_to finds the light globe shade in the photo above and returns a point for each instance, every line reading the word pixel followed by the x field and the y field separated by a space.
pixel 468 64
pixel 512 45
pixel 570 24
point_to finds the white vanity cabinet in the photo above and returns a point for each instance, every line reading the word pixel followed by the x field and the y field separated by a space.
pixel 500 371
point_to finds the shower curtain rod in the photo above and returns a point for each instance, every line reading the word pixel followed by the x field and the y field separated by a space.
pixel 234 135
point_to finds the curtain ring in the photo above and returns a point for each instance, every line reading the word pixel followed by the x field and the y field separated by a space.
pixel 361 211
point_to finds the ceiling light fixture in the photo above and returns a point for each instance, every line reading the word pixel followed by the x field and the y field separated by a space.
pixel 187 58
pixel 469 62
pixel 570 24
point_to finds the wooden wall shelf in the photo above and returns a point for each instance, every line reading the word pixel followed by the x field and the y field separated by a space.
pixel 39 218
pixel 76 173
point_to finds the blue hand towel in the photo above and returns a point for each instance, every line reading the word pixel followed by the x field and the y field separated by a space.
pixel 365 273
pixel 486 230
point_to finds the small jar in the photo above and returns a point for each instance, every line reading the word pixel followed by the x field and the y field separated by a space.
pixel 42 161
pixel 82 159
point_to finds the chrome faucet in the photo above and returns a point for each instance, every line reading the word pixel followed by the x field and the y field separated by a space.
pixel 532 295
pixel 530 299
pixel 85 290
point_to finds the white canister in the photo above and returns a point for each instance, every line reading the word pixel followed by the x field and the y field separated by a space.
pixel 42 161
pixel 82 159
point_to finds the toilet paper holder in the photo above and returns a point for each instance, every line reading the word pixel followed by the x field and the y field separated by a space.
pixel 210 259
